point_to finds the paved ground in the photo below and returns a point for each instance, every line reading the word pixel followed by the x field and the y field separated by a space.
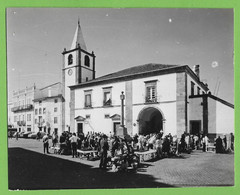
pixel 29 168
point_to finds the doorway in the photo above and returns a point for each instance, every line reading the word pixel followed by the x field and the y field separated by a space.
pixel 79 128
pixel 195 127
pixel 150 120
pixel 116 126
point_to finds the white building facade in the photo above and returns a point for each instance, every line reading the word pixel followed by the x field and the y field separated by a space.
pixel 22 109
pixel 171 98
pixel 156 99
pixel 48 109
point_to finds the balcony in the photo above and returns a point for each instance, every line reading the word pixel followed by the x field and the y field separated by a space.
pixel 87 105
pixel 149 100
pixel 21 123
pixel 22 108
pixel 107 103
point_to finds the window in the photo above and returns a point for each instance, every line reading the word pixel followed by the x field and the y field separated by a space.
pixel 55 109
pixel 40 110
pixel 70 59
pixel 28 117
pixel 86 61
pixel 35 120
pixel 23 117
pixel 40 103
pixel 88 98
pixel 15 118
pixel 55 101
pixel 192 88
pixel 55 120
pixel 36 111
pixel 44 110
pixel 86 79
pixel 107 93
pixel 198 90
pixel 151 91
pixel 88 116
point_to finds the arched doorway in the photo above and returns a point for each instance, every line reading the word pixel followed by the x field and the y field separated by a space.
pixel 150 120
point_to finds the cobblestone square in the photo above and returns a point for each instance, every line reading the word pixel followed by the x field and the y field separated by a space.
pixel 30 169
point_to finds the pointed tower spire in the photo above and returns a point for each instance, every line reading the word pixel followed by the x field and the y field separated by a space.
pixel 78 38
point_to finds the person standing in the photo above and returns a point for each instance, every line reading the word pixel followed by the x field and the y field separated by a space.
pixel 45 144
pixel 219 145
pixel 225 142
pixel 54 139
pixel 17 135
pixel 205 143
pixel 159 143
pixel 74 139
pixel 103 152
pixel 232 141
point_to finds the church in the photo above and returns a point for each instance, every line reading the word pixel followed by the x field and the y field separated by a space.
pixel 157 97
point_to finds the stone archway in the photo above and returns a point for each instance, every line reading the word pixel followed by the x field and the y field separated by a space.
pixel 150 120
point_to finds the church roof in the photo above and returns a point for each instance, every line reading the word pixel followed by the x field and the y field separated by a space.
pixel 78 38
pixel 136 70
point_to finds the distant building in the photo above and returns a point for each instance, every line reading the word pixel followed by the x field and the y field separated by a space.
pixel 158 97
pixel 10 115
pixel 22 109
pixel 48 109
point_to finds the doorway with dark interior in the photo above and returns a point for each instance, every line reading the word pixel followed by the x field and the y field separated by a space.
pixel 150 120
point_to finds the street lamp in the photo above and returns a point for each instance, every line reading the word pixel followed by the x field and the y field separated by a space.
pixel 122 97
pixel 122 131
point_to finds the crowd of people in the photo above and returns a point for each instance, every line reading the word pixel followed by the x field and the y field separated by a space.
pixel 110 146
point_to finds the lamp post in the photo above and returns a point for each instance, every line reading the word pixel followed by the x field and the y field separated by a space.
pixel 122 131
pixel 122 97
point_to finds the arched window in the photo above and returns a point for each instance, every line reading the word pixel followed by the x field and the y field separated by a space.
pixel 70 59
pixel 86 61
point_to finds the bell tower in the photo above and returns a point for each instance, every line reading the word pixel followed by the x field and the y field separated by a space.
pixel 78 67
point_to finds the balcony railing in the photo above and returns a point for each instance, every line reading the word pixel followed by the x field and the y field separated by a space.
pixel 23 107
pixel 87 105
pixel 21 123
pixel 107 103
pixel 151 100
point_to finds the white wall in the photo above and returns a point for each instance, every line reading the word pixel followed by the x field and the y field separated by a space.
pixel 97 121
pixel 49 115
pixel 166 92
pixel 224 119
pixel 86 74
pixel 212 116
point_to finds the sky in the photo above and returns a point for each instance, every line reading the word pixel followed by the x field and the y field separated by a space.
pixel 121 38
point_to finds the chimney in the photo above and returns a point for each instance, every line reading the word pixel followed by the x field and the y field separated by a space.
pixel 196 70
pixel 49 92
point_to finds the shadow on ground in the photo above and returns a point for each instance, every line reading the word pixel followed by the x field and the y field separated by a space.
pixel 30 170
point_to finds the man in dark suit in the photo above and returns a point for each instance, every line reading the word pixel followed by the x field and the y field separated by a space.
pixel 103 152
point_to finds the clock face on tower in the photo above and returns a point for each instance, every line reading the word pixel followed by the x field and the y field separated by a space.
pixel 70 72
